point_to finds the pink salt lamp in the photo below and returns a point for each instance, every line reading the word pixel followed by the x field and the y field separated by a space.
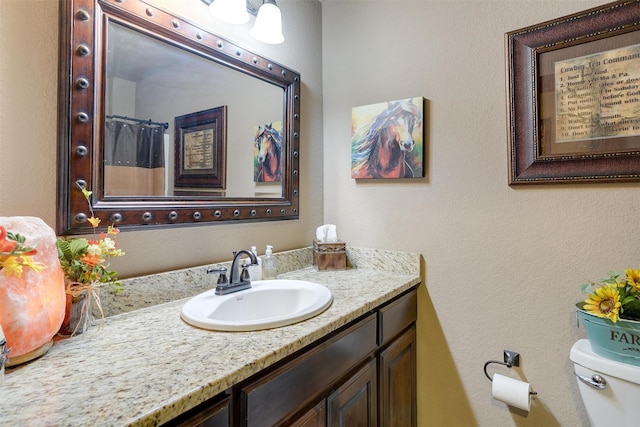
pixel 32 306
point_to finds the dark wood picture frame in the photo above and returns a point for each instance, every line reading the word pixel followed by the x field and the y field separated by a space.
pixel 564 79
pixel 200 149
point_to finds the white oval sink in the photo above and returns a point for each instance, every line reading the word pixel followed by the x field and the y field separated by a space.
pixel 267 304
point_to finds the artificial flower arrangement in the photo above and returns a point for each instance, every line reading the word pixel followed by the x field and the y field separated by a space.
pixel 15 255
pixel 614 297
pixel 84 262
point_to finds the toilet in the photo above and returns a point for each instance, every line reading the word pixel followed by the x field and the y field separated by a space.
pixel 610 390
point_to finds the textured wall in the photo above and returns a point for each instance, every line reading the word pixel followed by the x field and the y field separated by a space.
pixel 502 265
pixel 28 103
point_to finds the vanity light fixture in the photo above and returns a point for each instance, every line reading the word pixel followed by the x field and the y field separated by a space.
pixel 268 25
pixel 230 11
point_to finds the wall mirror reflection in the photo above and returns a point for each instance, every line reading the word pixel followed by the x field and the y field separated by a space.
pixel 169 124
pixel 150 85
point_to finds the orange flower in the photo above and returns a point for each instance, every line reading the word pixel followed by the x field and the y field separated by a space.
pixel 111 231
pixel 6 246
pixel 92 259
pixel 14 254
pixel 94 221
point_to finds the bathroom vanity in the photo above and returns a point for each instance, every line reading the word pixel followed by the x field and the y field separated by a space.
pixel 354 361
pixel 331 382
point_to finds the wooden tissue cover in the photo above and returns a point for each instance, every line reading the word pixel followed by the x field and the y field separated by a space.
pixel 329 256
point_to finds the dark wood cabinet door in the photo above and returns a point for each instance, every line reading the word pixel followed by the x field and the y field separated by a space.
pixel 315 417
pixel 214 413
pixel 398 382
pixel 271 399
pixel 354 403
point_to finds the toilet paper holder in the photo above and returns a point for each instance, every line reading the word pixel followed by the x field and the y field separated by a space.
pixel 511 358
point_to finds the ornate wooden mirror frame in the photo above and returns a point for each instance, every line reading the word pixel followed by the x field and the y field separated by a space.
pixel 83 29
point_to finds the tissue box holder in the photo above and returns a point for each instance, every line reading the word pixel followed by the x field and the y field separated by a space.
pixel 329 256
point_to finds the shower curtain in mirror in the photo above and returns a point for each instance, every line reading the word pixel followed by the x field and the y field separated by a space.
pixel 134 159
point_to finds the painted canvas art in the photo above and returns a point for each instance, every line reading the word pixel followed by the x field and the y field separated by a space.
pixel 387 140
pixel 267 152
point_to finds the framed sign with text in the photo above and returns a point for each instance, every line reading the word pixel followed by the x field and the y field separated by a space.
pixel 574 97
pixel 200 149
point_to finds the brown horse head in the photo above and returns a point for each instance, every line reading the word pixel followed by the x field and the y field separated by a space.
pixel 381 153
pixel 268 154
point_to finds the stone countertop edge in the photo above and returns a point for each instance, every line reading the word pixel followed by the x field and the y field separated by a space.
pixel 147 366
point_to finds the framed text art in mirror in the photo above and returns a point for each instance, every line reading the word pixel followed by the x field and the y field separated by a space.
pixel 574 98
pixel 200 148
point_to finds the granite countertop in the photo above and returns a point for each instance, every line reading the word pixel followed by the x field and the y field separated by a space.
pixel 146 366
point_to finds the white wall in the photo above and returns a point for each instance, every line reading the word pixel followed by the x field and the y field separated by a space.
pixel 28 134
pixel 502 265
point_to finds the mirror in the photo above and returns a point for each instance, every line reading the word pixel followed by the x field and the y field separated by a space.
pixel 168 124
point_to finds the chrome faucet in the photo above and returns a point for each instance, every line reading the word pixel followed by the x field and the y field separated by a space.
pixel 239 280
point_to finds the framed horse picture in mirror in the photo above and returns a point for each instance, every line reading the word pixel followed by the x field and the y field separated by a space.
pixel 200 149
pixel 267 153
pixel 387 140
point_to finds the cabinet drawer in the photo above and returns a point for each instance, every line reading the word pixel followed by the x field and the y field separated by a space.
pixel 394 317
pixel 294 384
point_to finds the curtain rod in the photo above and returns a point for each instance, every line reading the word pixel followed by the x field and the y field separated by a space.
pixel 131 119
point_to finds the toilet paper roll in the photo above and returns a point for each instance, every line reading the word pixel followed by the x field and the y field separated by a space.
pixel 513 392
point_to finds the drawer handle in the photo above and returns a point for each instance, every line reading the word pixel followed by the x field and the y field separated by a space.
pixel 596 381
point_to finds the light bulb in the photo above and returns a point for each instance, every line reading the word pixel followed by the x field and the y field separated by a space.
pixel 231 11
pixel 268 25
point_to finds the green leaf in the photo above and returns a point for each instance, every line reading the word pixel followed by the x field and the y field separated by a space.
pixel 586 287
pixel 78 246
pixel 631 309
pixel 64 251
pixel 612 277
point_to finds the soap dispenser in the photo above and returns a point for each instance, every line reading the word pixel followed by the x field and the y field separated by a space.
pixel 255 271
pixel 269 264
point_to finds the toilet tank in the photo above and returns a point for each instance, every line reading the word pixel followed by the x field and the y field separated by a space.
pixel 617 403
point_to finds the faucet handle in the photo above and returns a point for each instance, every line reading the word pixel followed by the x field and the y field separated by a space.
pixel 222 278
pixel 244 275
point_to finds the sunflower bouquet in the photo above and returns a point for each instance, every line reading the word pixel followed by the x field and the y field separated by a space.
pixel 614 297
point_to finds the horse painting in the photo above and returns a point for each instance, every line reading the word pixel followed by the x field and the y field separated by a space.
pixel 268 157
pixel 384 137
